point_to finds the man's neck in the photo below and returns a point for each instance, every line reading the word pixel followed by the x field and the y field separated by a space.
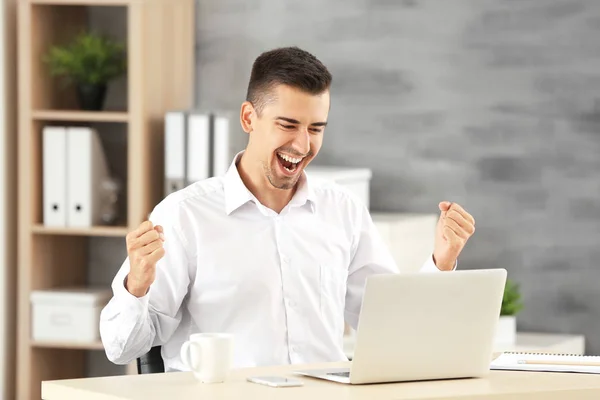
pixel 253 177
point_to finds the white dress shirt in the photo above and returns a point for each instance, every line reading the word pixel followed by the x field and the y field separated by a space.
pixel 283 284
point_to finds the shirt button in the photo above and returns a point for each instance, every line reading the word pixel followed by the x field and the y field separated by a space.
pixel 291 303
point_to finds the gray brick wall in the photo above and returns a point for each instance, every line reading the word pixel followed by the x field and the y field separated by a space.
pixel 493 104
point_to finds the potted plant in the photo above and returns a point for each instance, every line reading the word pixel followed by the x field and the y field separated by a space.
pixel 89 62
pixel 506 331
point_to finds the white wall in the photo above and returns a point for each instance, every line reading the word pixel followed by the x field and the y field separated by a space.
pixel 7 197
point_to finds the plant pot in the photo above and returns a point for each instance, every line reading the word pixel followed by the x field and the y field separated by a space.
pixel 91 96
pixel 506 330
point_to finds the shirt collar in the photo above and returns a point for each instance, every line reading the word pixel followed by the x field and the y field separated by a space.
pixel 305 193
pixel 237 194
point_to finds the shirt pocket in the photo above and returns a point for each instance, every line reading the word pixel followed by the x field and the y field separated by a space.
pixel 333 291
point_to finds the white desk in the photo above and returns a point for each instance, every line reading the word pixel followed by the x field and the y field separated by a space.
pixel 499 385
pixel 526 341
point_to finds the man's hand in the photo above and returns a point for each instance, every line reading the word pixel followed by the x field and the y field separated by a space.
pixel 454 228
pixel 144 248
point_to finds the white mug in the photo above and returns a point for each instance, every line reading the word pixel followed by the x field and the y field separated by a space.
pixel 209 356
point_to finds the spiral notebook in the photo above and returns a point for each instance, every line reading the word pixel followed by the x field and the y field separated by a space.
pixel 545 362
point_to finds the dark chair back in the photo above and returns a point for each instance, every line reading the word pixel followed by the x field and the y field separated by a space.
pixel 151 362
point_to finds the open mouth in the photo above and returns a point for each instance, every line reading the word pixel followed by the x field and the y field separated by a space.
pixel 288 164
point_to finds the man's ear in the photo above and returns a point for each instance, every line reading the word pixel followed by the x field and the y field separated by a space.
pixel 247 116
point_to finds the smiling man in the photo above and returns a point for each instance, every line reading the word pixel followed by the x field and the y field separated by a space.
pixel 265 252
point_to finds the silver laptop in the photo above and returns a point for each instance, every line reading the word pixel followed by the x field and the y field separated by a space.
pixel 424 326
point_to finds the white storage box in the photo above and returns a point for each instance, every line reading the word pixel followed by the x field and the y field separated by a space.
pixel 356 180
pixel 410 237
pixel 68 314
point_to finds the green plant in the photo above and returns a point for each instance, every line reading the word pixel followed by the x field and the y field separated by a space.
pixel 90 59
pixel 511 302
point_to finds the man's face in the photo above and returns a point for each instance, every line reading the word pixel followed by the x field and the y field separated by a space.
pixel 288 134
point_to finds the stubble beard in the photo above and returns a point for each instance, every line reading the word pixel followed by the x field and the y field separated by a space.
pixel 279 183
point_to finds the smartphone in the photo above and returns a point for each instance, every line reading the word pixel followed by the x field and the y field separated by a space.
pixel 276 381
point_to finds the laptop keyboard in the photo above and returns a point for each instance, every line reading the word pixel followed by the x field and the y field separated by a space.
pixel 344 374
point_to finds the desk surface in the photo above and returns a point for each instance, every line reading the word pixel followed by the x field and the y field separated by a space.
pixel 499 385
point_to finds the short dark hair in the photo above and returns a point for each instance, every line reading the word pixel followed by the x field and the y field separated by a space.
pixel 288 66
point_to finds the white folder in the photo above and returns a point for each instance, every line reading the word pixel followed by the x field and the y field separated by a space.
pixel 55 175
pixel 198 147
pixel 221 144
pixel 87 168
pixel 175 154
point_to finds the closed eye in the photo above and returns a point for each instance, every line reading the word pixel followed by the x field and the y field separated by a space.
pixel 315 130
pixel 286 126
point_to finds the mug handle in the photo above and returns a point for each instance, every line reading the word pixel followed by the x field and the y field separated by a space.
pixel 186 355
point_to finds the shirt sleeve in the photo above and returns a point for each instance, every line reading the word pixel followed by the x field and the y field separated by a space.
pixel 371 256
pixel 130 326
pixel 429 265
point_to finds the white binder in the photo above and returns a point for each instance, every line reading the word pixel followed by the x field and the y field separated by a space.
pixel 86 169
pixel 175 154
pixel 198 147
pixel 221 144
pixel 54 175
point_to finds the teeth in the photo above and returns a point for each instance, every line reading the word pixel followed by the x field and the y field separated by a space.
pixel 290 159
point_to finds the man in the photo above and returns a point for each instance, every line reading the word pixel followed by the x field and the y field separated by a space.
pixel 264 252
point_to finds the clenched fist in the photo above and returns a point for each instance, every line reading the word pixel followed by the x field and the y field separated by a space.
pixel 455 227
pixel 144 248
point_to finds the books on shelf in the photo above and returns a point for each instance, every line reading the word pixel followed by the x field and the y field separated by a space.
pixel 54 176
pixel 74 168
pixel 221 157
pixel 197 146
pixel 174 147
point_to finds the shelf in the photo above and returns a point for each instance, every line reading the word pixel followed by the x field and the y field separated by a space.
pixel 69 345
pixel 84 116
pixel 130 131
pixel 117 231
